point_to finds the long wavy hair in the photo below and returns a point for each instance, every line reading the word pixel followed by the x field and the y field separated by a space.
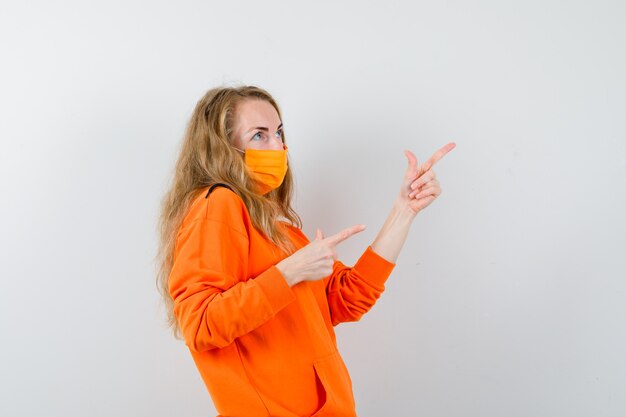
pixel 206 157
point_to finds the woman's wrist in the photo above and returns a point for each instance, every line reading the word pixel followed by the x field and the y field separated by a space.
pixel 283 268
pixel 393 233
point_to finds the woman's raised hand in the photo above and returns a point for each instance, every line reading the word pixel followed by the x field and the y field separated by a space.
pixel 420 186
pixel 315 260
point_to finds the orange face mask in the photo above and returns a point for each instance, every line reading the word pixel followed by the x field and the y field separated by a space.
pixel 268 167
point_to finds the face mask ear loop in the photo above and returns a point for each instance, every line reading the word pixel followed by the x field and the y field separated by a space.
pixel 244 152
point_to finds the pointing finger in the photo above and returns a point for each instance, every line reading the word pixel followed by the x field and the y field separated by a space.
pixel 437 156
pixel 344 234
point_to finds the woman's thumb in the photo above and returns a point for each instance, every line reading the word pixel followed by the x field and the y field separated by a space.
pixel 319 235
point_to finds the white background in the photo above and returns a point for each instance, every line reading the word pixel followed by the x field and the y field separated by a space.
pixel 509 297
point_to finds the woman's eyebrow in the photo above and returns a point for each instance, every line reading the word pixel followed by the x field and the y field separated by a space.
pixel 264 128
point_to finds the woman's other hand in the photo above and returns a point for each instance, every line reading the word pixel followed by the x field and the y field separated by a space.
pixel 315 261
pixel 420 186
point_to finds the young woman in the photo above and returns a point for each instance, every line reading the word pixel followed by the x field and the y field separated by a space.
pixel 253 298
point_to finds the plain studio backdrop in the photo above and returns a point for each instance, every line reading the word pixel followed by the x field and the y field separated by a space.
pixel 509 297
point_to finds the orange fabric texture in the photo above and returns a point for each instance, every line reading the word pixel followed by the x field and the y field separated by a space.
pixel 261 347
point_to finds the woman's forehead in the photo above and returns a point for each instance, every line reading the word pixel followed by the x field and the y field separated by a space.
pixel 254 112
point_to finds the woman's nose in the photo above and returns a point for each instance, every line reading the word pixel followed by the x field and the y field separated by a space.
pixel 276 144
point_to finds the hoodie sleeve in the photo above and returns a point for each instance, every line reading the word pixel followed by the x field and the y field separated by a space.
pixel 214 302
pixel 351 292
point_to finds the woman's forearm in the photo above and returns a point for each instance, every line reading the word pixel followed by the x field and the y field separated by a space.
pixel 393 234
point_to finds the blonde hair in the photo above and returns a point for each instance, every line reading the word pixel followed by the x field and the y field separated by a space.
pixel 207 157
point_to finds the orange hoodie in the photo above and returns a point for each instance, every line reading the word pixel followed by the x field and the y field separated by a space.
pixel 263 348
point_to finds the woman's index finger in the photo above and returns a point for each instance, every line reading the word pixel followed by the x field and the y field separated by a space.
pixel 344 234
pixel 437 156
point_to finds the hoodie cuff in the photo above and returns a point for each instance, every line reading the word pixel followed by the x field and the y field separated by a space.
pixel 373 268
pixel 275 287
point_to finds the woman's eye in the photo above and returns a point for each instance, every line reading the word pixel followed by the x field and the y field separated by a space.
pixel 257 135
pixel 279 133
